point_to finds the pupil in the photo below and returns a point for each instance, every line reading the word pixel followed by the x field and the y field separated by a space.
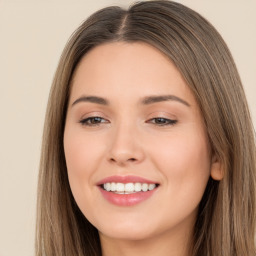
pixel 160 120
pixel 96 120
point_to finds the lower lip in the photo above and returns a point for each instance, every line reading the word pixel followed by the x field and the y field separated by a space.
pixel 126 199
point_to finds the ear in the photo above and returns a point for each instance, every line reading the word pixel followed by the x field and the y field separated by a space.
pixel 217 172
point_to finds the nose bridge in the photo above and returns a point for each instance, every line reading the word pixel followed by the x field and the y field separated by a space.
pixel 125 144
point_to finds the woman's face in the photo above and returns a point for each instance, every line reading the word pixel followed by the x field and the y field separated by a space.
pixel 136 149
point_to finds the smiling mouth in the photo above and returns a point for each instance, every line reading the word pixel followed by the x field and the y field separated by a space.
pixel 128 188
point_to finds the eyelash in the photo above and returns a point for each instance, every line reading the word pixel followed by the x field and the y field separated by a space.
pixel 89 121
pixel 161 121
pixel 97 120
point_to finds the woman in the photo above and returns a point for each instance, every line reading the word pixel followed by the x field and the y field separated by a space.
pixel 148 143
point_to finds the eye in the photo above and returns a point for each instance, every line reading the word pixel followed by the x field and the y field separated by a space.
pixel 161 121
pixel 93 121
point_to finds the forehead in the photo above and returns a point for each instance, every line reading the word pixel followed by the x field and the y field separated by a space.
pixel 131 69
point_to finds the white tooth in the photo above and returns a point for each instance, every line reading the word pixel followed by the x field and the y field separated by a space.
pixel 151 186
pixel 137 187
pixel 129 187
pixel 144 187
pixel 107 186
pixel 119 187
pixel 113 186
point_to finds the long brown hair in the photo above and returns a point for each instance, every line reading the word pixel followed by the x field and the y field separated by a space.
pixel 226 220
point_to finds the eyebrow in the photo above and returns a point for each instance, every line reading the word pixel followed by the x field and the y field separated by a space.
pixel 161 98
pixel 91 99
pixel 145 101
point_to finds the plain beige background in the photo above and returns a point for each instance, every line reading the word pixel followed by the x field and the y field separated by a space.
pixel 33 34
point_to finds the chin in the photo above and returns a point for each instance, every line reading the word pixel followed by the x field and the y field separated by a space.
pixel 127 235
pixel 128 231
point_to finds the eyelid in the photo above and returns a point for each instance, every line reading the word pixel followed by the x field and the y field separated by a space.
pixel 162 114
pixel 167 118
pixel 93 114
pixel 89 116
pixel 165 121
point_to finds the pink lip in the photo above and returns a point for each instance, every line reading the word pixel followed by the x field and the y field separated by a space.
pixel 126 199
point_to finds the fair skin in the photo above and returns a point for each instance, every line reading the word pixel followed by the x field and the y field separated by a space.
pixel 125 133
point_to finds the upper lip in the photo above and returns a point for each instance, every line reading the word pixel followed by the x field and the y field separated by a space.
pixel 125 179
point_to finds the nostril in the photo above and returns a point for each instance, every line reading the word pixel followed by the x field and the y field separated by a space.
pixel 132 159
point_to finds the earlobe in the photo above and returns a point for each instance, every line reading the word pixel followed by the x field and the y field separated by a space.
pixel 217 172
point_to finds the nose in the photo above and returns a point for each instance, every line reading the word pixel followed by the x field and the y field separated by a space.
pixel 125 146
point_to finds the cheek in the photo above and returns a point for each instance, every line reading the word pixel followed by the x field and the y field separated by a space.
pixel 82 155
pixel 184 161
pixel 82 152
